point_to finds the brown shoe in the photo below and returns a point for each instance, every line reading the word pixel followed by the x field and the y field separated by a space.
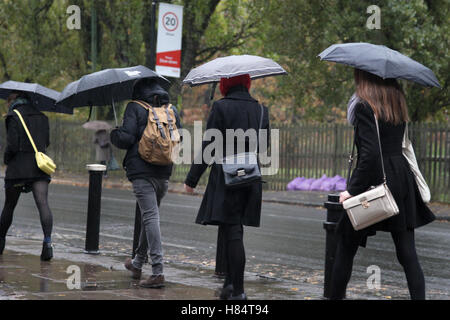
pixel 135 272
pixel 154 281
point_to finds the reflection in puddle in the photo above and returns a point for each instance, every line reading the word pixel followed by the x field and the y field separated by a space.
pixel 46 269
pixel 90 277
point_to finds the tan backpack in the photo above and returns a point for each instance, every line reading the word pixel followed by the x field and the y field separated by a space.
pixel 161 137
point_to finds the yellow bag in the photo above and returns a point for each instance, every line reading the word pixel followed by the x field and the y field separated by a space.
pixel 44 162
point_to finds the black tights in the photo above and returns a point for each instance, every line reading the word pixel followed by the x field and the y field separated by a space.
pixel 234 246
pixel 40 194
pixel 406 255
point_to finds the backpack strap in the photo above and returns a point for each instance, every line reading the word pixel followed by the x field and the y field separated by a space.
pixel 170 120
pixel 155 116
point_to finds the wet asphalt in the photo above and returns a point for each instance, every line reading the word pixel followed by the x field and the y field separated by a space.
pixel 285 256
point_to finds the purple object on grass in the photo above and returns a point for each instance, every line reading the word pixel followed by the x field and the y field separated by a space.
pixel 324 183
pixel 341 185
pixel 305 184
pixel 330 183
pixel 316 185
pixel 293 185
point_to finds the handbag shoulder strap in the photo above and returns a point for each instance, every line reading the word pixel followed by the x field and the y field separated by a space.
pixel 262 116
pixel 351 158
pixel 26 130
pixel 260 126
pixel 406 135
pixel 379 145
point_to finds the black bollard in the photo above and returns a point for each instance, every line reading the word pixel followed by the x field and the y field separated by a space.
pixel 334 214
pixel 94 202
pixel 137 229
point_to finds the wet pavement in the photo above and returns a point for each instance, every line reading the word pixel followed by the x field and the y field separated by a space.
pixel 285 256
pixel 24 276
pixel 299 198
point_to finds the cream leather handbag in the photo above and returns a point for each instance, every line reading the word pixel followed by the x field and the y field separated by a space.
pixel 408 153
pixel 374 205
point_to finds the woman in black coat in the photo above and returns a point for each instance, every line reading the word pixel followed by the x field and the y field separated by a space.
pixel 22 172
pixel 385 100
pixel 228 208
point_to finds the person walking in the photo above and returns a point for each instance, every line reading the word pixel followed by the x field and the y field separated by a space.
pixel 230 209
pixel 103 150
pixel 385 100
pixel 150 181
pixel 22 173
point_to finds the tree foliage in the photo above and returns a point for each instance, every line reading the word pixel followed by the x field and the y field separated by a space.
pixel 36 45
pixel 296 31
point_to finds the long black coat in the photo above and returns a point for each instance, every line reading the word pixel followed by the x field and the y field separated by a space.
pixel 19 154
pixel 368 172
pixel 237 110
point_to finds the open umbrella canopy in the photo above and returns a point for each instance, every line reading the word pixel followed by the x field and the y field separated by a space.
pixel 381 61
pixel 231 66
pixel 106 86
pixel 97 125
pixel 41 97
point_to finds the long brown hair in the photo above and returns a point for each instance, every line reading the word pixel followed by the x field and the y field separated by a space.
pixel 385 96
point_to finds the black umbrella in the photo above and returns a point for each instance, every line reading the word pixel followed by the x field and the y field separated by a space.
pixel 381 61
pixel 41 97
pixel 107 87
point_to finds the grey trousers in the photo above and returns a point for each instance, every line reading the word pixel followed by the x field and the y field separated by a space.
pixel 149 193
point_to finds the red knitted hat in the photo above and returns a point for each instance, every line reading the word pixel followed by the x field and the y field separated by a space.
pixel 227 83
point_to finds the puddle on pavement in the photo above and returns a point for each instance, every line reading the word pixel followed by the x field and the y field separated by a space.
pixel 25 272
pixel 24 276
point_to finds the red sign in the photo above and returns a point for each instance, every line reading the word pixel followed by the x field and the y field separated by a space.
pixel 168 48
pixel 169 59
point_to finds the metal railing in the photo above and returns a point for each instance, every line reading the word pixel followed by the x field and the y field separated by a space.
pixel 308 150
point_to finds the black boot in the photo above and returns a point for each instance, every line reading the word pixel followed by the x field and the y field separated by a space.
pixel 2 245
pixel 241 296
pixel 225 292
pixel 47 251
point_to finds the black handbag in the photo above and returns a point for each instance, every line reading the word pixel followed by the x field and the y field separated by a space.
pixel 242 169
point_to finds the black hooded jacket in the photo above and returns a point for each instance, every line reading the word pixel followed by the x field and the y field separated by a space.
pixel 128 135
pixel 19 154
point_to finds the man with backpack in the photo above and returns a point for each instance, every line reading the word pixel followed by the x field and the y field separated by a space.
pixel 149 133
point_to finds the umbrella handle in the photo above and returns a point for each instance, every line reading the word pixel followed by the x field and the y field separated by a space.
pixel 114 111
pixel 90 113
pixel 213 91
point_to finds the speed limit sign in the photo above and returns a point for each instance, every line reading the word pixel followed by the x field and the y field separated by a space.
pixel 168 48
pixel 170 21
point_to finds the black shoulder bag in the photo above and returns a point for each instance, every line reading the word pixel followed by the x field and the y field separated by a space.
pixel 242 169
